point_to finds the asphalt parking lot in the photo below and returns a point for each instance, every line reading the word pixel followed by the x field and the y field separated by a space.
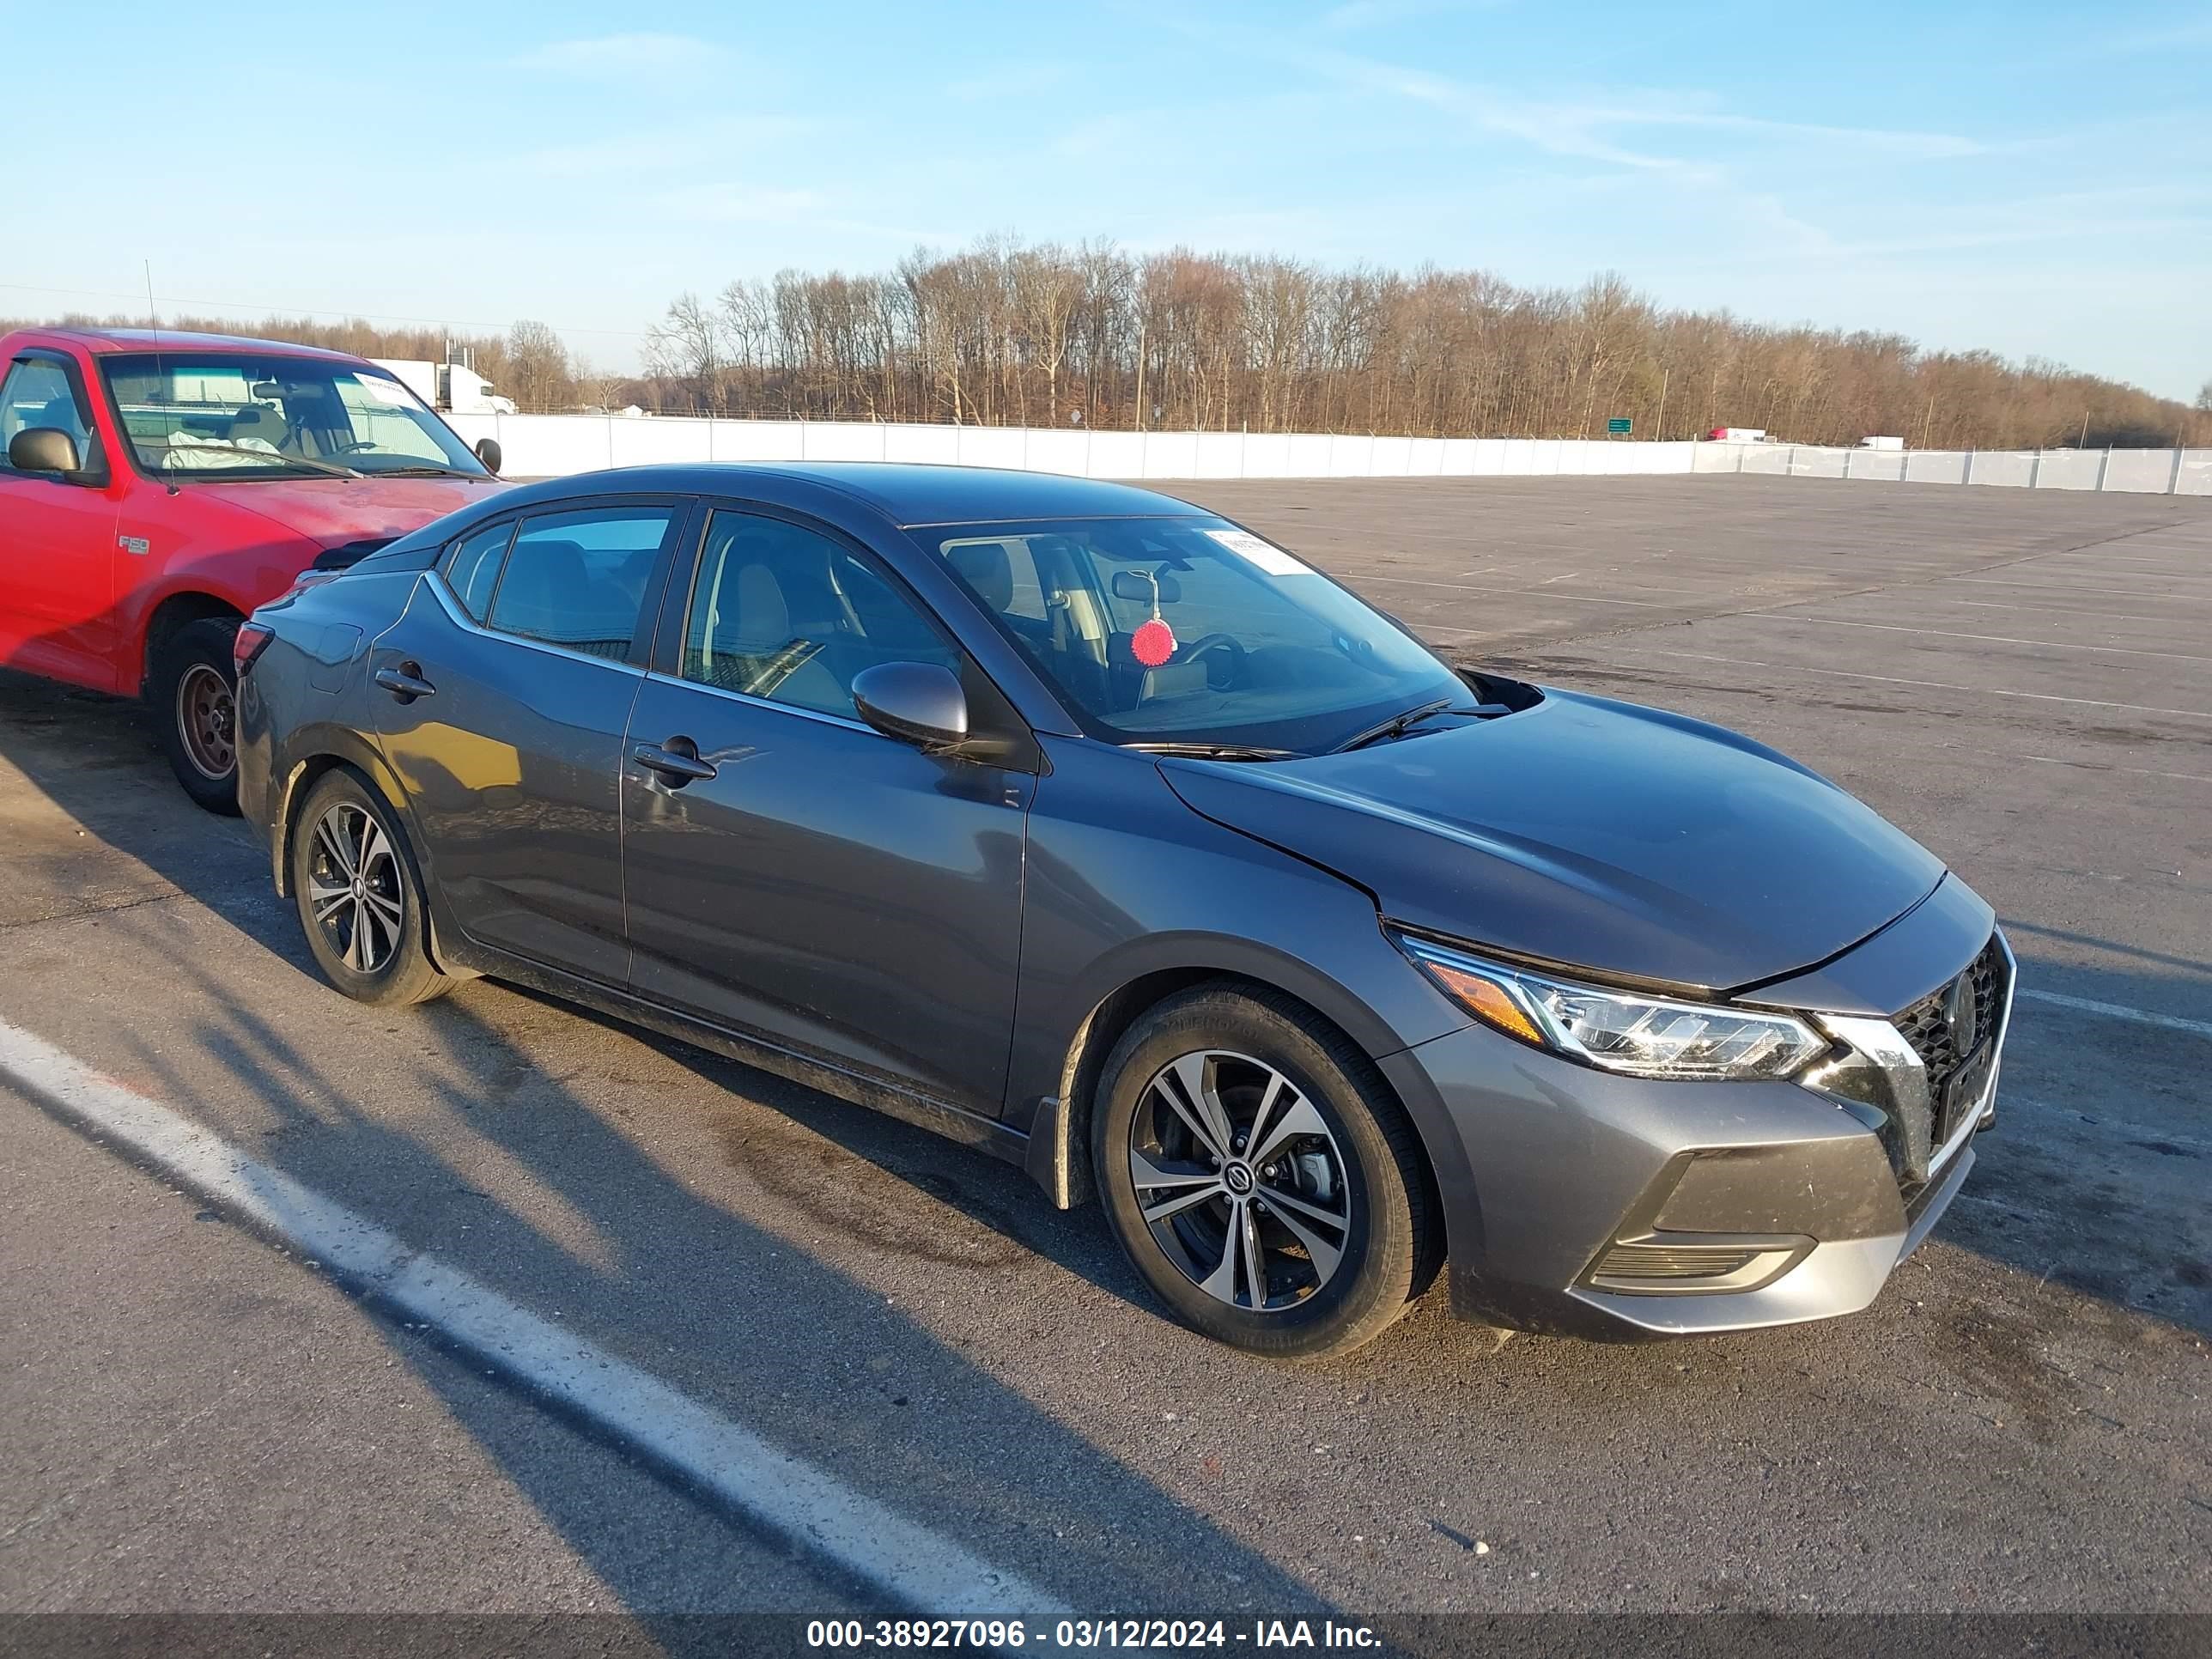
pixel 200 1420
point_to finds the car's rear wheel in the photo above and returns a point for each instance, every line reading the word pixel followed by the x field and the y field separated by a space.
pixel 193 693
pixel 360 896
pixel 1259 1176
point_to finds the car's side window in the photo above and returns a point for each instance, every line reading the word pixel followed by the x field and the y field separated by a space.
pixel 37 392
pixel 472 567
pixel 579 580
pixel 786 613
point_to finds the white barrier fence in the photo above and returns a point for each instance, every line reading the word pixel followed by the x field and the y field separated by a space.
pixel 543 446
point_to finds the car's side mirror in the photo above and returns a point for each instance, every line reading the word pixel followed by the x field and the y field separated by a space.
pixel 44 449
pixel 1138 585
pixel 489 451
pixel 916 702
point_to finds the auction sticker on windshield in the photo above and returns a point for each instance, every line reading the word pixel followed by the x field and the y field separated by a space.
pixel 1266 555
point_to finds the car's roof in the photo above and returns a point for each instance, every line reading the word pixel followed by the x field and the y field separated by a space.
pixel 104 340
pixel 907 493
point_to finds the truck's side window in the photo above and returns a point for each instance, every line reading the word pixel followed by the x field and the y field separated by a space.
pixel 472 568
pixel 36 392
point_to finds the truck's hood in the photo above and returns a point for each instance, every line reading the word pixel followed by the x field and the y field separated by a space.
pixel 332 511
pixel 1589 832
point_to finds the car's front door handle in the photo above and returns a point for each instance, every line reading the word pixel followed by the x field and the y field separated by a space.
pixel 405 682
pixel 678 766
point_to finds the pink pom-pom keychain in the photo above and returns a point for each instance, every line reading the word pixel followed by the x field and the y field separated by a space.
pixel 1154 642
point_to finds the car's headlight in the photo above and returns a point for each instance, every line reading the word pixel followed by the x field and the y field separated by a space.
pixel 1620 1030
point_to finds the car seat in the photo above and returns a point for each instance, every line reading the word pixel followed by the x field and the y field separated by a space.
pixel 750 645
pixel 549 593
pixel 260 422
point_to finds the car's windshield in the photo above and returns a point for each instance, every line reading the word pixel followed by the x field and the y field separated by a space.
pixel 239 415
pixel 1192 631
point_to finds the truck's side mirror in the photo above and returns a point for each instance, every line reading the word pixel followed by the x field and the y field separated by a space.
pixel 44 449
pixel 489 451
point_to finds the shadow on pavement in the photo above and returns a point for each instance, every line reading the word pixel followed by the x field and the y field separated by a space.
pixel 588 1228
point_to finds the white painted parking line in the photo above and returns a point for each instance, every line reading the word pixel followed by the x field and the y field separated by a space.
pixel 2052 610
pixel 2119 1011
pixel 2099 766
pixel 1933 685
pixel 1991 639
pixel 2157 595
pixel 807 1506
pixel 1539 590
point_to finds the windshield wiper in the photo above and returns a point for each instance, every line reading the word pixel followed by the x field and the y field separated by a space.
pixel 263 460
pixel 1227 752
pixel 1398 725
pixel 426 470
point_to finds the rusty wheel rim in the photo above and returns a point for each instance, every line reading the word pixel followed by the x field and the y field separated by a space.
pixel 207 716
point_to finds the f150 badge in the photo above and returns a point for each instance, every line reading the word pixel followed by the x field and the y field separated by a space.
pixel 138 544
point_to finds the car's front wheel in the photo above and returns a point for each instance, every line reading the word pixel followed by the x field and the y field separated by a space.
pixel 360 896
pixel 193 695
pixel 1259 1176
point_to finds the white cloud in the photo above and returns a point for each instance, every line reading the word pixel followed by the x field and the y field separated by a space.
pixel 623 57
pixel 738 203
pixel 1357 14
pixel 624 150
pixel 1014 78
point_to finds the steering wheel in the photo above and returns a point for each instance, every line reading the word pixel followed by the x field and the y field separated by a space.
pixel 357 446
pixel 1208 643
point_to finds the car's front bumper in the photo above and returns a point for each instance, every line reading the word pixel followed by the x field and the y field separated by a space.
pixel 1590 1199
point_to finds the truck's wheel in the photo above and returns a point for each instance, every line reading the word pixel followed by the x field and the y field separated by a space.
pixel 193 693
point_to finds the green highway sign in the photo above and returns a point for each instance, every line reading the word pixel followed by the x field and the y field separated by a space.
pixel 1619 423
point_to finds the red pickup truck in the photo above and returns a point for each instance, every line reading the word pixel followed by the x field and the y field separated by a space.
pixel 155 487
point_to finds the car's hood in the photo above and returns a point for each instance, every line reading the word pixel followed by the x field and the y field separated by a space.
pixel 334 511
pixel 1585 831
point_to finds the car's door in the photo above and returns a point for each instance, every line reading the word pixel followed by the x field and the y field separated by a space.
pixel 57 548
pixel 796 875
pixel 502 694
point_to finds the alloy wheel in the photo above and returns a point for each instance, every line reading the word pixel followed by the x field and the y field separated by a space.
pixel 1240 1180
pixel 207 716
pixel 352 887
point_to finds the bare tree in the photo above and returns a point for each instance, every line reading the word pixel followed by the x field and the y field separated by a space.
pixel 686 346
pixel 1048 293
pixel 537 373
pixel 1003 331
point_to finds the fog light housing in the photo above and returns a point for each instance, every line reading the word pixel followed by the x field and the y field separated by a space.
pixel 1692 1264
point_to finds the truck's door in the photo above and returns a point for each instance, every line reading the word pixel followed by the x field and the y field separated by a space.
pixel 57 548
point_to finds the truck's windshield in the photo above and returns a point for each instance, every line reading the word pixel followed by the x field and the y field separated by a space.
pixel 241 416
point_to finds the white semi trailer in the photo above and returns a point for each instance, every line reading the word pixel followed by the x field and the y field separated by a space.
pixel 453 387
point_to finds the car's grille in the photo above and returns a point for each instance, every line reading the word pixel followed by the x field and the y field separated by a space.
pixel 1927 1026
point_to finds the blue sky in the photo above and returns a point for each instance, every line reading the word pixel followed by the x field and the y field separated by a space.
pixel 2035 178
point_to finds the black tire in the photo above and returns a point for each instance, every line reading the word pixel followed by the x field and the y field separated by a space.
pixel 1387 1238
pixel 359 948
pixel 192 691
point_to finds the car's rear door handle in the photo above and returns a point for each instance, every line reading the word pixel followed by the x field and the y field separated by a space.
pixel 405 682
pixel 677 761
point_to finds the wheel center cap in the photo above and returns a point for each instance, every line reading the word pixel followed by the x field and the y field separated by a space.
pixel 360 888
pixel 1237 1177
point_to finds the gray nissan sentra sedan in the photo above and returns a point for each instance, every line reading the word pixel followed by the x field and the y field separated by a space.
pixel 1082 825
